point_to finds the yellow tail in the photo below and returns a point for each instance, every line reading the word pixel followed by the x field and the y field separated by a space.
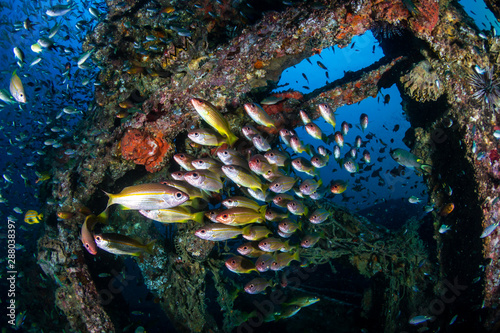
pixel 150 247
pixel 198 217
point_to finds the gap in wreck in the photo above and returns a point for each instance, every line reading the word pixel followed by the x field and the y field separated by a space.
pixel 380 188
pixel 483 17
pixel 460 250
pixel 124 295
pixel 97 203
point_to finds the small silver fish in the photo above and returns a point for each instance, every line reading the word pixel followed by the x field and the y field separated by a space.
pixel 489 230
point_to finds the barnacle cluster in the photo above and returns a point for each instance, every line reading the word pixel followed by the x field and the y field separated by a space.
pixel 422 83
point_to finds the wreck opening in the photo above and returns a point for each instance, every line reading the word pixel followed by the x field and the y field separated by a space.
pixel 393 270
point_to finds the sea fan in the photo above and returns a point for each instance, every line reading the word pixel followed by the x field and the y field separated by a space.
pixel 486 87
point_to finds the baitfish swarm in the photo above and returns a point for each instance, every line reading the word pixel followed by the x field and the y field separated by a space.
pixel 265 175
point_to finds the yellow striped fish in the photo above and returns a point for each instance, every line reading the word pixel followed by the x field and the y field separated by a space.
pixel 121 244
pixel 214 118
pixel 239 216
pixel 32 217
pixel 243 178
pixel 173 215
pixel 148 197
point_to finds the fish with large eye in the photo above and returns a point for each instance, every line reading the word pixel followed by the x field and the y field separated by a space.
pixel 17 89
pixel 148 197
pixel 239 264
pixel 257 286
pixel 259 115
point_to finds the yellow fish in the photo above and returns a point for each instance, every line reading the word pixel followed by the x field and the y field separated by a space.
pixel 148 197
pixel 16 88
pixel 121 244
pixel 42 177
pixel 32 217
pixel 214 118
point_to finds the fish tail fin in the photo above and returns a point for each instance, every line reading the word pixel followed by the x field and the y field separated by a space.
pixel 264 188
pixel 330 138
pixel 299 226
pixel 315 172
pixel 231 138
pixel 308 149
pixel 198 203
pixel 320 182
pixel 110 200
pixel 40 216
pixel 150 247
pixel 103 217
pixel 198 217
pixel 244 230
pixel 426 168
pixel 262 211
pixel 306 211
pixel 296 255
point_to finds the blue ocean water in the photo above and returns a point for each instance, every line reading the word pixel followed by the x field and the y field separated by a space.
pixel 31 130
pixel 362 52
pixel 482 16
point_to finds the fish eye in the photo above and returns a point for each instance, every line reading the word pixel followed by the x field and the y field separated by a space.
pixel 98 238
pixel 178 195
pixel 251 286
pixel 306 242
pixel 224 216
pixel 271 154
pixel 306 186
pixel 245 247
pixel 257 160
pixel 195 175
pixel 265 243
pixel 202 231
pixel 225 152
pixel 87 245
pixel 275 263
pixel 233 262
pixel 196 134
pixel 181 155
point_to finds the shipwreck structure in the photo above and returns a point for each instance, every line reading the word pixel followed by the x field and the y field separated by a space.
pixel 230 53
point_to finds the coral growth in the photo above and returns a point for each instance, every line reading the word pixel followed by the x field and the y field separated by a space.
pixel 422 83
pixel 144 149
pixel 392 12
pixel 426 16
